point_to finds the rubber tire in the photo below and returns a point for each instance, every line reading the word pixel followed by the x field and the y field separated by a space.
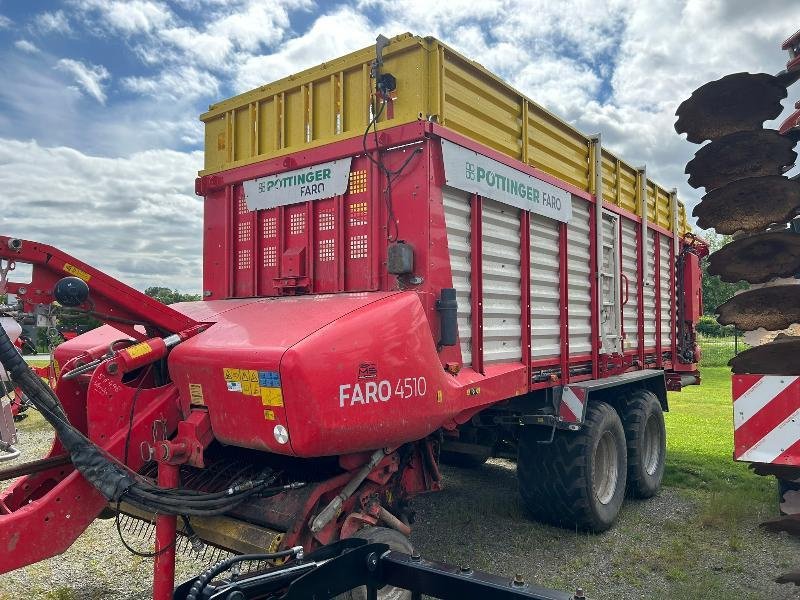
pixel 642 407
pixel 555 480
pixel 396 541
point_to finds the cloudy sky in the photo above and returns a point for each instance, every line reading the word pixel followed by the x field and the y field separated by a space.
pixel 99 136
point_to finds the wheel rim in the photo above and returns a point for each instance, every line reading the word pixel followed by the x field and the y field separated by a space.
pixel 651 453
pixel 604 469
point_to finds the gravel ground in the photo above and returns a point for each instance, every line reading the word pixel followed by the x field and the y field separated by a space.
pixel 661 548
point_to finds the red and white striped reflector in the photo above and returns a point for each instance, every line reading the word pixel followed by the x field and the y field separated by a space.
pixel 571 407
pixel 766 419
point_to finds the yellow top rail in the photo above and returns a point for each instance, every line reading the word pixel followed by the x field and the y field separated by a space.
pixel 331 102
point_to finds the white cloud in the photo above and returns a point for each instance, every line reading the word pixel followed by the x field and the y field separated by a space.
pixel 5 22
pixel 90 78
pixel 330 36
pixel 135 217
pixel 26 46
pixel 53 22
pixel 128 17
pixel 175 84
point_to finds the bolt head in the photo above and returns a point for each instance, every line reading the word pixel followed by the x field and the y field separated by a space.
pixel 372 562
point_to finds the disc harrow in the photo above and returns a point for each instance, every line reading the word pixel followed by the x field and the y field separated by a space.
pixel 747 195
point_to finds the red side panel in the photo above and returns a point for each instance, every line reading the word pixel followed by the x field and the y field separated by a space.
pixel 692 288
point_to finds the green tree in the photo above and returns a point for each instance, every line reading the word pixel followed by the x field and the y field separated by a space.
pixel 716 291
pixel 168 296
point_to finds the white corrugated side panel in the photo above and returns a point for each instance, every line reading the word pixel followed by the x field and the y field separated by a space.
pixel 650 294
pixel 457 220
pixel 666 303
pixel 502 327
pixel 630 268
pixel 545 291
pixel 579 295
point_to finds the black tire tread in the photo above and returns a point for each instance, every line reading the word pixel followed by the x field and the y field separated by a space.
pixel 633 421
pixel 555 484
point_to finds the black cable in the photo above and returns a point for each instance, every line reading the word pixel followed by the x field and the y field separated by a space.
pixel 205 578
pixel 130 548
pixel 111 478
pixel 133 410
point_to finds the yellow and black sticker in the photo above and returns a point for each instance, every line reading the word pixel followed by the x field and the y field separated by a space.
pixel 246 388
pixel 232 374
pixel 196 394
pixel 271 396
pixel 79 273
pixel 473 391
pixel 269 415
pixel 138 350
pixel 439 396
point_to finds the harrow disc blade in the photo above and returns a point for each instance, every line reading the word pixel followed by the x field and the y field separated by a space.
pixel 740 155
pixel 757 258
pixel 779 357
pixel 736 102
pixel 774 307
pixel 749 205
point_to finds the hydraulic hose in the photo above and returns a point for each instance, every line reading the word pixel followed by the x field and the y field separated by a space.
pixel 113 479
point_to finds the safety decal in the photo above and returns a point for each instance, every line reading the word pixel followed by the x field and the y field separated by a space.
pixel 269 415
pixel 79 273
pixel 138 350
pixel 271 396
pixel 475 391
pixel 260 384
pixel 196 394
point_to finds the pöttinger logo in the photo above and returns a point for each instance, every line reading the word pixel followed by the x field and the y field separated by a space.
pixel 470 171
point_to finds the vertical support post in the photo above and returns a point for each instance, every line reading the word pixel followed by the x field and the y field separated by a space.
pixel 230 223
pixel 525 290
pixel 641 258
pixel 476 270
pixel 676 248
pixel 645 225
pixel 594 282
pixel 597 178
pixel 563 278
pixel 657 279
pixel 166 530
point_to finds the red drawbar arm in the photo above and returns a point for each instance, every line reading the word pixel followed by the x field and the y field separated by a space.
pixel 115 302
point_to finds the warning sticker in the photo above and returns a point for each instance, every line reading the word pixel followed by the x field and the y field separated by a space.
pixel 271 396
pixel 138 350
pixel 196 394
pixel 232 374
pixel 269 415
pixel 79 273
pixel 255 383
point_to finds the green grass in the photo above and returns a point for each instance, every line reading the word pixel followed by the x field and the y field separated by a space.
pixel 717 351
pixel 700 439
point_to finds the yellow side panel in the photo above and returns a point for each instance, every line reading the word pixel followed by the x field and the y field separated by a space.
pixel 481 109
pixel 661 217
pixel 331 102
pixel 627 188
pixel 609 172
pixel 355 112
pixel 268 125
pixel 556 148
pixel 216 140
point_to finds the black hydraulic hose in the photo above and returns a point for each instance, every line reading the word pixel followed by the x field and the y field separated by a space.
pixel 201 582
pixel 111 478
